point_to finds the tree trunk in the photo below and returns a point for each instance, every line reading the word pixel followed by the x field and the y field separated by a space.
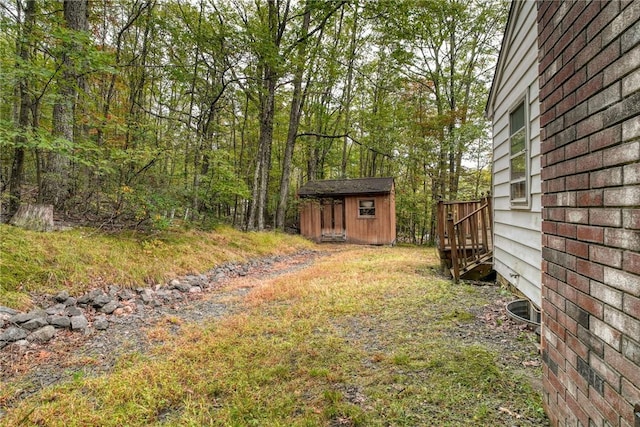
pixel 266 137
pixel 348 89
pixel 297 103
pixel 276 27
pixel 34 217
pixel 55 185
pixel 17 165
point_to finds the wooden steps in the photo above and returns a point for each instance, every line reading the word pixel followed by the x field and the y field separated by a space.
pixel 477 269
pixel 465 238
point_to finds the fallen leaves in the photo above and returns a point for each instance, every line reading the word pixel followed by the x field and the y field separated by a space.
pixel 509 412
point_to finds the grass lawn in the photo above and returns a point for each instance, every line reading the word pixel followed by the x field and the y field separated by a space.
pixel 360 338
pixel 80 259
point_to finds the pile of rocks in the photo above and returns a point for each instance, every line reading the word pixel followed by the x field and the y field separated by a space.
pixel 100 307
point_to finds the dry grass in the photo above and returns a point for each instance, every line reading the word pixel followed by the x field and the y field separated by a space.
pixel 358 339
pixel 80 259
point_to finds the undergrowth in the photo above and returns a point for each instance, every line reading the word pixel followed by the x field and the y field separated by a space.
pixel 358 339
pixel 83 258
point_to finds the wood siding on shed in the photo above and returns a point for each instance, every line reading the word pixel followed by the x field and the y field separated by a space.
pixel 380 230
pixel 310 219
pixel 517 230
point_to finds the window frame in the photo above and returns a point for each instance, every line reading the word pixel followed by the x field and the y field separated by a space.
pixel 525 201
pixel 360 208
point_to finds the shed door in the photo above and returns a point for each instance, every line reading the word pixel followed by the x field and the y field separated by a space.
pixel 332 220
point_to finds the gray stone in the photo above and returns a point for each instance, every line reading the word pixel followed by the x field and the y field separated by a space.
pixel 62 296
pixel 59 321
pixel 101 300
pixel 101 323
pixel 79 323
pixel 25 317
pixel 84 299
pixel 2 322
pixel 194 280
pixel 55 309
pixel 43 334
pixel 195 290
pixel 91 296
pixel 126 294
pixel 147 296
pixel 34 324
pixel 174 282
pixel 113 290
pixel 70 301
pixel 163 293
pixel 20 318
pixel 3 344
pixel 109 307
pixel 73 311
pixel 13 334
pixel 183 287
pixel 7 310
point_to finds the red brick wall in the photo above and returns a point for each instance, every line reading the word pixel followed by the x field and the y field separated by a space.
pixel 590 128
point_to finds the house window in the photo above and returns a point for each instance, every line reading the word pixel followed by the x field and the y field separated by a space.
pixel 518 167
pixel 366 208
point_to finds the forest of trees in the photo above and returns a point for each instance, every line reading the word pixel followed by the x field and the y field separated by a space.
pixel 142 112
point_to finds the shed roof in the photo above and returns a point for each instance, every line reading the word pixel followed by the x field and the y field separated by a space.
pixel 346 187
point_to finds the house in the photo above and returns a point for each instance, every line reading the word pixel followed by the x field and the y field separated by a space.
pixel 514 109
pixel 565 105
pixel 349 210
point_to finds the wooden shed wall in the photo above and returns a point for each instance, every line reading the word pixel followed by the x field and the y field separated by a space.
pixel 380 230
pixel 310 219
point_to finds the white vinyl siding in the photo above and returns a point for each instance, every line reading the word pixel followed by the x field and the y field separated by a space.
pixel 517 222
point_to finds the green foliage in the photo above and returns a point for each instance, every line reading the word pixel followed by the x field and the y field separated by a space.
pixel 222 185
pixel 170 98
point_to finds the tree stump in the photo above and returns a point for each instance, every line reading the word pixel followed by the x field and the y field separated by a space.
pixel 34 217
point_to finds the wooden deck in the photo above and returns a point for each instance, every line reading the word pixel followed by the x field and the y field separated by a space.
pixel 465 237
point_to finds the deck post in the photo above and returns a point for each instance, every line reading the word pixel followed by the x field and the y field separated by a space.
pixel 454 248
pixel 440 224
pixel 483 215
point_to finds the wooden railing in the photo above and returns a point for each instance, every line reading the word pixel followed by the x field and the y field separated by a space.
pixel 465 234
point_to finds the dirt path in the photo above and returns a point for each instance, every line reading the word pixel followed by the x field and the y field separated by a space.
pixel 74 354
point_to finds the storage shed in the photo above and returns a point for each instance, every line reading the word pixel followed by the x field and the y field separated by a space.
pixel 361 211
